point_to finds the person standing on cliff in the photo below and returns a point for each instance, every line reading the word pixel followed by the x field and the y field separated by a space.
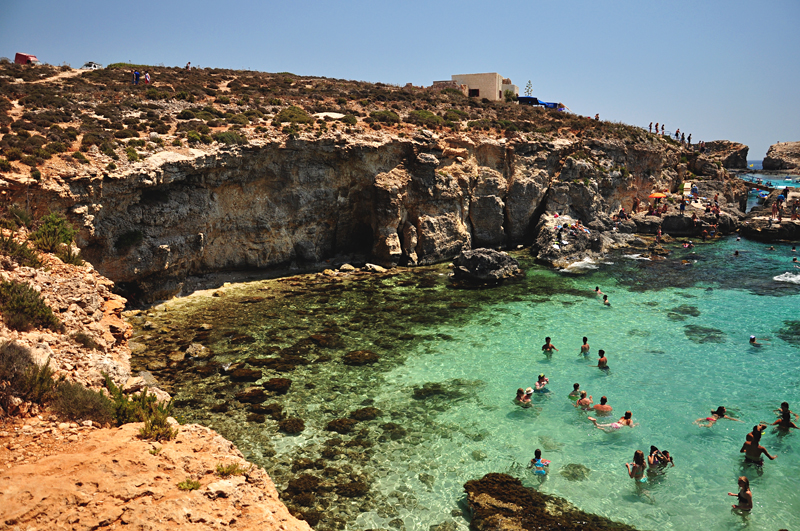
pixel 662 129
pixel 677 134
pixel 651 127
pixel 683 206
pixel 683 138
pixel 635 207
pixel 690 139
pixel 656 127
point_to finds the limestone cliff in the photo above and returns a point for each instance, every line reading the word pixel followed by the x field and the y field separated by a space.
pixel 410 200
pixel 783 156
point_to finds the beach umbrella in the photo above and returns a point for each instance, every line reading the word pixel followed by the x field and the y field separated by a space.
pixel 657 195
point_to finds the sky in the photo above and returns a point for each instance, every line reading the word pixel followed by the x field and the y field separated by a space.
pixel 715 69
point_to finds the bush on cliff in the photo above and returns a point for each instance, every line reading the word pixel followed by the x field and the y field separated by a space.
pixel 54 230
pixel 19 252
pixel 143 407
pixel 73 401
pixel 294 115
pixel 25 379
pixel 229 137
pixel 387 117
pixel 424 118
pixel 23 308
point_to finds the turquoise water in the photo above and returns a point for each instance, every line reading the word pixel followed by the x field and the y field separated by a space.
pixel 676 336
pixel 666 378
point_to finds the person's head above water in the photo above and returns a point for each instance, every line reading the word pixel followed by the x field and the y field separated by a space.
pixel 585 340
pixel 603 400
pixel 542 377
pixel 628 415
pixel 601 353
pixel 784 405
pixel 752 339
pixel 583 394
pixel 537 453
pixel 720 411
pixel 575 387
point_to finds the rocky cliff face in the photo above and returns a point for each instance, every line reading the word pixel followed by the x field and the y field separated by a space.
pixel 402 200
pixel 783 156
pixel 732 155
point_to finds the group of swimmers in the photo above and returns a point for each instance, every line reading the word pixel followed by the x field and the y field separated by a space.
pixel 658 460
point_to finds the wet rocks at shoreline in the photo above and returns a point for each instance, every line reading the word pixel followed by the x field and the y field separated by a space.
pixel 484 267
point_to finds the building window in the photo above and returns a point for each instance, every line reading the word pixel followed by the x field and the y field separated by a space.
pixel 474 93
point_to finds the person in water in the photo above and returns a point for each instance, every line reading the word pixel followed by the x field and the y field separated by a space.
pixel 637 470
pixel 548 347
pixel 541 384
pixel 575 393
pixel 752 450
pixel 745 496
pixel 526 398
pixel 539 465
pixel 785 422
pixel 520 394
pixel 785 408
pixel 584 403
pixel 656 458
pixel 667 461
pixel 626 420
pixel 603 408
pixel 597 291
pixel 585 346
pixel 602 361
pixel 719 413
pixel 605 300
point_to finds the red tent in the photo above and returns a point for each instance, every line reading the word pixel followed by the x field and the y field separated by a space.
pixel 26 59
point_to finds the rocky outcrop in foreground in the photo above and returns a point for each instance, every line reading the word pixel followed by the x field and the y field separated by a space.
pixel 500 502
pixel 105 478
pixel 783 156
pixel 484 266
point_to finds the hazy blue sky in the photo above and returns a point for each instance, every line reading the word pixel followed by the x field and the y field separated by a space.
pixel 716 69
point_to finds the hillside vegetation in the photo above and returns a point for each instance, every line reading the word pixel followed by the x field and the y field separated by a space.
pixel 52 118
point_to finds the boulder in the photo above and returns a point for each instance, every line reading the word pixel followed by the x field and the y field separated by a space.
pixel 782 156
pixel 484 266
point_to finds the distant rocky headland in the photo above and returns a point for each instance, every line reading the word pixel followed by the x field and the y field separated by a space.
pixel 783 156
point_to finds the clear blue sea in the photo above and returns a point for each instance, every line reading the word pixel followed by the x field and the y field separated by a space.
pixel 676 336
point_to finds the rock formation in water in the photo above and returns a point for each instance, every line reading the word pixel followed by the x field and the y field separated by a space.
pixel 484 266
pixel 783 156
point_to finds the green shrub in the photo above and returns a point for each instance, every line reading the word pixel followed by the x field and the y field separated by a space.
pixel 20 215
pixel 455 115
pixel 349 119
pixel 36 175
pixel 185 114
pixel 233 469
pixel 23 308
pixel 155 94
pixel 5 166
pixel 69 256
pixel 425 118
pixel 111 166
pixel 222 99
pixel 20 252
pixel 80 157
pixel 177 142
pixel 189 484
pixel 193 137
pixel 143 407
pixel 229 137
pixel 126 133
pixel 56 147
pixel 53 231
pixel 133 156
pixel 128 240
pixel 294 115
pixel 15 361
pixel 275 101
pixel 72 401
pixel 155 424
pixel 388 117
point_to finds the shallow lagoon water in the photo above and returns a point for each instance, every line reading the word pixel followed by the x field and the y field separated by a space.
pixel 676 336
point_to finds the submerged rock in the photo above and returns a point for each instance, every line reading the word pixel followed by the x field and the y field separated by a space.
pixel 360 357
pixel 484 266
pixel 342 426
pixel 278 385
pixel 575 472
pixel 704 334
pixel 292 425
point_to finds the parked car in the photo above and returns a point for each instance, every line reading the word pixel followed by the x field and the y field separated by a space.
pixel 91 65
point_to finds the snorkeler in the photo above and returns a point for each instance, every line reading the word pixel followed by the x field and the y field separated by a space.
pixel 614 426
pixel 585 346
pixel 719 413
pixel 548 347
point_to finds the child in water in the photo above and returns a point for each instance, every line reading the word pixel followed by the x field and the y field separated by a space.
pixel 538 464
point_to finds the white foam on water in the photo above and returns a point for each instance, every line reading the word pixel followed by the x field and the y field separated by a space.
pixel 586 263
pixel 794 278
pixel 636 257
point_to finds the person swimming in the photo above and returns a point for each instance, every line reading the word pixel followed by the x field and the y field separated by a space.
pixel 597 291
pixel 625 420
pixel 605 300
pixel 585 346
pixel 785 422
pixel 719 413
pixel 575 393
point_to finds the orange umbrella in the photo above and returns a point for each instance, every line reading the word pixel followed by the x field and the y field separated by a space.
pixel 657 194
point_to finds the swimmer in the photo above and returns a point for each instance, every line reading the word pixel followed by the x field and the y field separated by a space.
pixel 603 408
pixel 584 403
pixel 574 394
pixel 527 396
pixel 538 464
pixel 667 461
pixel 785 422
pixel 719 413
pixel 605 300
pixel 785 408
pixel 755 343
pixel 585 346
pixel 745 496
pixel 548 347
pixel 597 291
pixel 614 426
pixel 541 383
pixel 752 450
pixel 735 253
pixel 656 458
pixel 520 394
pixel 637 470
pixel 602 362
